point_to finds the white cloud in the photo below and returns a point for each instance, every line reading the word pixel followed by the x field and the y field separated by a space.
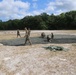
pixel 61 6
pixel 13 9
pixel 57 7
pixel 17 9
pixel 36 12
pixel 58 12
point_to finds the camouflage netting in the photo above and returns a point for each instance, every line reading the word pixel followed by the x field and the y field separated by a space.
pixel 56 48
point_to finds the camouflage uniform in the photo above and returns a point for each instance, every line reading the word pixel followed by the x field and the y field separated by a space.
pixel 52 36
pixel 18 33
pixel 25 32
pixel 48 38
pixel 28 37
pixel 42 34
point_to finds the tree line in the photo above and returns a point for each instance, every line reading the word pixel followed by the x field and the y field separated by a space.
pixel 63 21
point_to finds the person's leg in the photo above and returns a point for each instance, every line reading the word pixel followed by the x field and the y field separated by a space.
pixel 25 41
pixel 30 41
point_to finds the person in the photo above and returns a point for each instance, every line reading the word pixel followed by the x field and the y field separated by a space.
pixel 18 33
pixel 52 36
pixel 25 31
pixel 42 34
pixel 28 37
pixel 48 38
pixel 29 31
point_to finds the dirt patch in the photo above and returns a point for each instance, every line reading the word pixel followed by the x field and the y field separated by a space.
pixel 36 60
pixel 38 40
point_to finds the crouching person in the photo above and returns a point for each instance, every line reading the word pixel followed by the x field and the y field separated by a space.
pixel 42 34
pixel 48 38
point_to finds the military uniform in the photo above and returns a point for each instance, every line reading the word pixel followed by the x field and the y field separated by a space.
pixel 28 37
pixel 48 38
pixel 18 33
pixel 25 31
pixel 42 34
pixel 52 36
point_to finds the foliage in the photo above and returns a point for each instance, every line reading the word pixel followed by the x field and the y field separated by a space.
pixel 42 22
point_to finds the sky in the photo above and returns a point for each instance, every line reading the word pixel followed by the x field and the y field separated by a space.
pixel 18 9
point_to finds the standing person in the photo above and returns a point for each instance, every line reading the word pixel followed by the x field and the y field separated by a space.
pixel 25 31
pixel 52 36
pixel 29 31
pixel 18 33
pixel 28 37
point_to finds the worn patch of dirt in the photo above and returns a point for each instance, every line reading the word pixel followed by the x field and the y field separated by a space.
pixel 35 59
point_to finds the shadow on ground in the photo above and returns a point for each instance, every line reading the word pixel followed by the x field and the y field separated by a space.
pixel 37 40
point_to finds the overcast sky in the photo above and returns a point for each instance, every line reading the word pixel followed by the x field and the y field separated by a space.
pixel 17 9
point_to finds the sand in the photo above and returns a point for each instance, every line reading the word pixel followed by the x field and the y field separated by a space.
pixel 18 59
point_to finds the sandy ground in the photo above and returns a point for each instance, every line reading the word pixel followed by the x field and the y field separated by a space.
pixel 35 59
